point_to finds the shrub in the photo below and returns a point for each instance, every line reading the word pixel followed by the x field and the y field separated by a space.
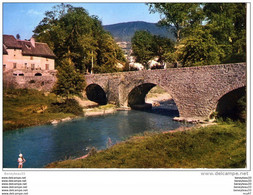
pixel 69 106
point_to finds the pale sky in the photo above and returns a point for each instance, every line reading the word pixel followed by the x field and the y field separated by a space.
pixel 22 18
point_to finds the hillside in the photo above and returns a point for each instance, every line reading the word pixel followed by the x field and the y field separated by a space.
pixel 125 31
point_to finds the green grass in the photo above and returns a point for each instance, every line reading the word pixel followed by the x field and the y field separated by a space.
pixel 103 107
pixel 219 146
pixel 23 108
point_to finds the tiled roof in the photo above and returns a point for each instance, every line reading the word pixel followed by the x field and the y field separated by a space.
pixel 40 49
pixel 10 42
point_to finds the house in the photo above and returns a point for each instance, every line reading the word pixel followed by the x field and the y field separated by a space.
pixel 27 58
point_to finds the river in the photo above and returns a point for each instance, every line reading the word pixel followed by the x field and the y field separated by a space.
pixel 41 145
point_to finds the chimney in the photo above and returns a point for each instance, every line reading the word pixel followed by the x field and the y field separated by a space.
pixel 32 40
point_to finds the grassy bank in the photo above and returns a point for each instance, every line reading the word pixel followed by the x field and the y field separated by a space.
pixel 219 146
pixel 24 108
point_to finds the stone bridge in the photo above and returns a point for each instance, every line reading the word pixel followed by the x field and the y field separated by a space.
pixel 195 90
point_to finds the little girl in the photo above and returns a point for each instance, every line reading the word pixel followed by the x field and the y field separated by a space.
pixel 21 160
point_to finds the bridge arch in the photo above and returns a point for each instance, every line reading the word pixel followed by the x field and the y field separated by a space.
pixel 195 90
pixel 95 93
pixel 227 105
pixel 137 96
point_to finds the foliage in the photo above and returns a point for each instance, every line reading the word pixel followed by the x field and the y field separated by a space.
pixel 219 146
pixel 178 15
pixel 227 24
pixel 218 28
pixel 70 81
pixel 200 48
pixel 146 46
pixel 142 46
pixel 71 33
pixel 24 108
pixel 242 108
pixel 68 106
pixel 161 46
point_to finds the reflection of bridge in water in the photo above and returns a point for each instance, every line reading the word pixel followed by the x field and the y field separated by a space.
pixel 195 90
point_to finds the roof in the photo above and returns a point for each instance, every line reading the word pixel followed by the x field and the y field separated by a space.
pixel 10 42
pixel 4 50
pixel 40 49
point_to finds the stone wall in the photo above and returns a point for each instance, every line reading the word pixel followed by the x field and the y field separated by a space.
pixel 41 83
pixel 195 90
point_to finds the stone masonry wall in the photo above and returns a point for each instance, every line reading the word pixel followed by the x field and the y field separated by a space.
pixel 195 90
pixel 41 83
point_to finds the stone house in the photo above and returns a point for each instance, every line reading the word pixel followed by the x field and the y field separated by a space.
pixel 28 64
pixel 27 58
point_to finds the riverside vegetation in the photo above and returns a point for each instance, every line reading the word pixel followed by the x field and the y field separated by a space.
pixel 26 107
pixel 218 146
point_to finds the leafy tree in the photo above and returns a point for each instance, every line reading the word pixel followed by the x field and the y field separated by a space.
pixel 161 46
pixel 178 15
pixel 70 81
pixel 227 24
pixel 71 33
pixel 200 48
pixel 146 46
pixel 206 33
pixel 142 43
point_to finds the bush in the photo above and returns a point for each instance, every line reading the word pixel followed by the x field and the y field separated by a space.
pixel 69 106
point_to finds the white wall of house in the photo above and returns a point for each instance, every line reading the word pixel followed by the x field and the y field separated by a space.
pixel 15 60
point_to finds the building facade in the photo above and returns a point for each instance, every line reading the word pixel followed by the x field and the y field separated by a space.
pixel 26 58
pixel 28 64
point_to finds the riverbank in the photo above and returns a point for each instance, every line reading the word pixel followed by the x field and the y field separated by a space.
pixel 25 108
pixel 217 146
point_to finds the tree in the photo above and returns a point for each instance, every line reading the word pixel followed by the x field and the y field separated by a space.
pixel 178 15
pixel 70 81
pixel 71 33
pixel 200 48
pixel 206 33
pixel 142 46
pixel 147 46
pixel 227 24
pixel 161 46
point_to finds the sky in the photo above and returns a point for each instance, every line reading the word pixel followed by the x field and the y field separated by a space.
pixel 22 18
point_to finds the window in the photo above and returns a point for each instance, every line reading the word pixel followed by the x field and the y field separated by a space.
pixel 14 65
pixel 26 66
pixel 4 67
pixel 32 66
pixel 47 66
pixel 38 74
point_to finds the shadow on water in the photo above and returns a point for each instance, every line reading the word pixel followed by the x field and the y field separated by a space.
pixel 165 108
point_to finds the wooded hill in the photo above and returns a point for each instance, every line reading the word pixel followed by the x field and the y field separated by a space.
pixel 125 31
